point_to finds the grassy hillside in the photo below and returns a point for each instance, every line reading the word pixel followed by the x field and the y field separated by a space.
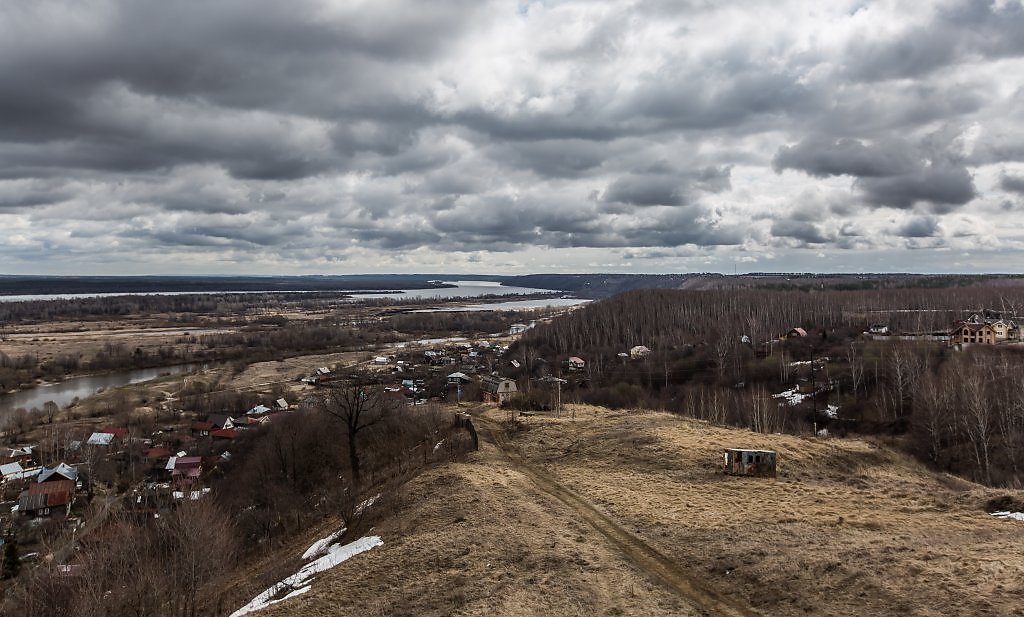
pixel 570 517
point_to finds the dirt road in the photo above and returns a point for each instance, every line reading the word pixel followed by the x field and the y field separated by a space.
pixel 649 560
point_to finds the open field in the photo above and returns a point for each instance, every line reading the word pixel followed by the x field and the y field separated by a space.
pixel 85 339
pixel 615 513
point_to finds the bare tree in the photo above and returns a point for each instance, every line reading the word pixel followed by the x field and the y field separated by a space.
pixel 764 412
pixel 50 410
pixel 978 420
pixel 358 409
pixel 856 368
pixel 199 541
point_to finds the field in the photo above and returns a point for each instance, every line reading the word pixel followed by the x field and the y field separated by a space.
pixel 627 513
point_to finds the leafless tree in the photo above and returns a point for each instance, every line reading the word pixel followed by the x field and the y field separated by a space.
pixel 856 368
pixel 358 408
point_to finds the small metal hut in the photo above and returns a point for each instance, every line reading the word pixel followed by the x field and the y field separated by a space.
pixel 744 462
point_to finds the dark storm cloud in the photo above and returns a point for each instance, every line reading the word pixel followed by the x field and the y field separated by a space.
pixel 944 187
pixel 647 190
pixel 920 227
pixel 821 156
pixel 1011 183
pixel 108 90
pixel 558 158
pixel 256 132
pixel 890 172
pixel 741 91
pixel 804 231
pixel 665 189
pixel 18 195
pixel 959 30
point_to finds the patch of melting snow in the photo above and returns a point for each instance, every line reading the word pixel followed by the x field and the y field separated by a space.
pixel 832 411
pixel 366 504
pixel 298 583
pixel 806 362
pixel 1017 516
pixel 438 446
pixel 792 396
pixel 321 545
pixel 429 341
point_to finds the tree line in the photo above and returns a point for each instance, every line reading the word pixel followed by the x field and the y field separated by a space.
pixel 718 355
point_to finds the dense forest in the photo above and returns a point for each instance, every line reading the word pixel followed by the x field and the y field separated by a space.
pixel 723 355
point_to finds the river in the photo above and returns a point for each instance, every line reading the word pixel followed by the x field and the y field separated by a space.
pixel 462 289
pixel 66 391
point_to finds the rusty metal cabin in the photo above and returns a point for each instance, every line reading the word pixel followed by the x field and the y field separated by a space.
pixel 756 463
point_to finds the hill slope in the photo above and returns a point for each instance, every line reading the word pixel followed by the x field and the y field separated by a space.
pixel 616 513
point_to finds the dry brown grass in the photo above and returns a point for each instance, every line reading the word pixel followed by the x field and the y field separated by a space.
pixel 848 527
pixel 477 538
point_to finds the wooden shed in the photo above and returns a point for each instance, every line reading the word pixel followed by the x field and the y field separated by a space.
pixel 745 462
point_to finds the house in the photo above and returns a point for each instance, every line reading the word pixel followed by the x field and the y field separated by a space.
pixel 119 432
pixel 380 360
pixel 281 404
pixel 796 333
pixel 576 363
pixel 458 378
pixel 1005 330
pixel 201 429
pixel 639 351
pixel 49 498
pixel 968 332
pixel 748 462
pixel 22 455
pixel 60 472
pixel 498 389
pixel 104 440
pixel 11 471
pixel 260 409
pixel 224 433
pixel 184 470
pixel 879 329
pixel 987 327
pixel 517 328
pixel 219 420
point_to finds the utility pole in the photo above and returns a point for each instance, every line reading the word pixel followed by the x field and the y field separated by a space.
pixel 814 399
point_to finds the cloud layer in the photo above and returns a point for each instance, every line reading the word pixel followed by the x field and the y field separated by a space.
pixel 354 136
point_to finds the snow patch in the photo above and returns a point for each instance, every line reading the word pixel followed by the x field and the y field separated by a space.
pixel 366 504
pixel 793 396
pixel 321 545
pixel 438 446
pixel 298 583
pixel 1017 516
pixel 807 362
pixel 832 411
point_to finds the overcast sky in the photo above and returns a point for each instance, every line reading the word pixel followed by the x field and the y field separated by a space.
pixel 307 136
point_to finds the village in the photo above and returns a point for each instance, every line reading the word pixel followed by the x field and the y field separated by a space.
pixel 155 454
pixel 160 446
pixel 152 464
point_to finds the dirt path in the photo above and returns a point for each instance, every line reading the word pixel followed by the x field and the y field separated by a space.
pixel 649 560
